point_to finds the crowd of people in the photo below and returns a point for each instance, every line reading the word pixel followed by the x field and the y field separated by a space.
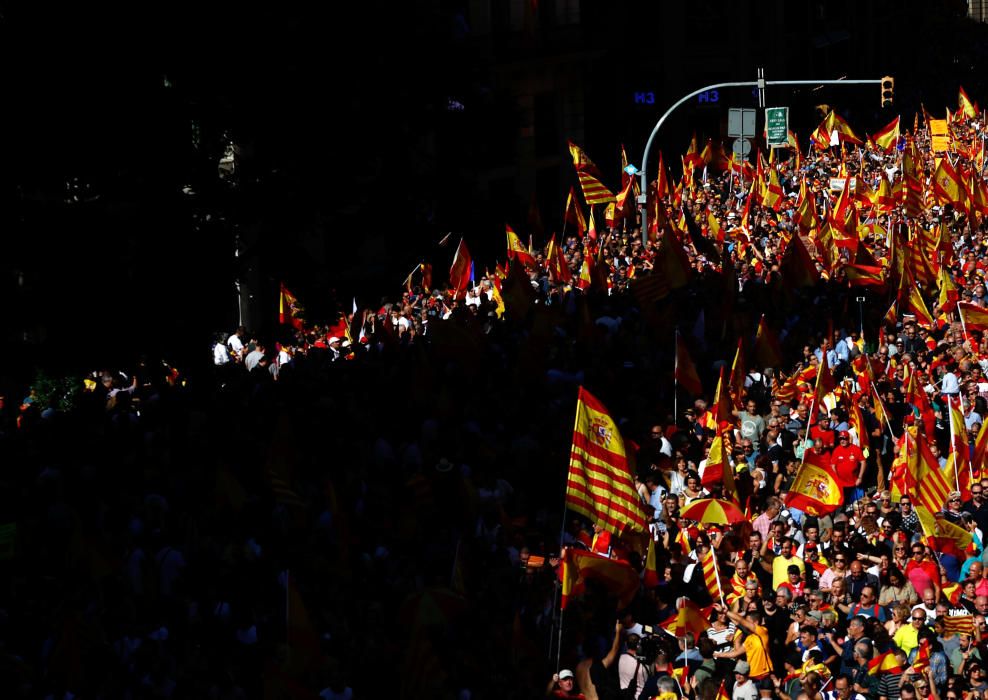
pixel 385 491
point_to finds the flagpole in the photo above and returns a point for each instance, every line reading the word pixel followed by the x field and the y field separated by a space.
pixel 884 412
pixel 414 269
pixel 953 444
pixel 963 325
pixel 720 588
pixel 675 380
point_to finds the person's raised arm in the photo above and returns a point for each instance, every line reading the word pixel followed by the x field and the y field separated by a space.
pixel 615 646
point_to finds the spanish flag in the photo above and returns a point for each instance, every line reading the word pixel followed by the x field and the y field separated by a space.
pixel 964 104
pixel 814 490
pixel 975 317
pixel 578 567
pixel 593 189
pixel 559 271
pixel 884 663
pixel 941 534
pixel 600 485
pixel 517 251
pixel 289 310
pixel 888 137
pixel 947 185
pixel 459 271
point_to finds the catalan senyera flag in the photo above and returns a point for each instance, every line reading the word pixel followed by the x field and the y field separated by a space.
pixel 975 317
pixel 579 566
pixel 594 191
pixel 710 576
pixel 289 310
pixel 600 485
pixel 814 490
pixel 516 250
pixel 932 488
pixel 964 104
pixel 888 137
pixel 686 374
pixel 959 624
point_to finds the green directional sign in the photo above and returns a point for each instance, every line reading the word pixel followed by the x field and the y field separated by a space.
pixel 777 126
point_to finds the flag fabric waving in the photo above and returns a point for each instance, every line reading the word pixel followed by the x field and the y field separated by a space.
pixel 517 251
pixel 888 137
pixel 459 271
pixel 289 310
pixel 579 566
pixel 814 490
pixel 600 485
pixel 975 317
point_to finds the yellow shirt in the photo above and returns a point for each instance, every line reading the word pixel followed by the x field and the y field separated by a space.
pixel 780 569
pixel 906 638
pixel 756 652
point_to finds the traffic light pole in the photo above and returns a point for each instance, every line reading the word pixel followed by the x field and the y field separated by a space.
pixel 761 84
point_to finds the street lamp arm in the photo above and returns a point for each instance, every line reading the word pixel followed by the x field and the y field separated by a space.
pixel 762 83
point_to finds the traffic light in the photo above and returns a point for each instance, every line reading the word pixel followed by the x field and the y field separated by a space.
pixel 888 90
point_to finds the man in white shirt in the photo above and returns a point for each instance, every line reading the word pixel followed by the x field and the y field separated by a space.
pixel 630 669
pixel 744 687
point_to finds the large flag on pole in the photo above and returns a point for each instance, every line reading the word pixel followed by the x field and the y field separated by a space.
pixel 289 310
pixel 579 566
pixel 814 490
pixel 517 251
pixel 600 485
pixel 975 317
pixel 459 272
pixel 888 137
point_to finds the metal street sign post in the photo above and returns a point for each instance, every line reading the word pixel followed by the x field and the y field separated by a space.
pixel 741 123
pixel 777 126
pixel 742 147
pixel 761 83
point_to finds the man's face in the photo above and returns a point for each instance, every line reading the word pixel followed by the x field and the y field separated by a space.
pixel 811 534
pixel 981 603
pixel 807 639
pixel 786 549
pixel 842 687
pixel 928 598
pixel 755 542
pixel 837 536
pixel 856 569
pixel 742 568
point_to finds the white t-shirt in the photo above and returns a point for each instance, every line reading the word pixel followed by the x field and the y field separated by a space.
pixel 631 670
pixel 220 354
pixel 235 343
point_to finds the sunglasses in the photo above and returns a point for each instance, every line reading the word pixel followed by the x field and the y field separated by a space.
pixel 919 619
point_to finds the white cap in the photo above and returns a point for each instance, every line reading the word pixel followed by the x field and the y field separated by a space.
pixel 565 673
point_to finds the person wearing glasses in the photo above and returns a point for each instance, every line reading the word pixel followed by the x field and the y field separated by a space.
pixel 910 520
pixel 907 638
pixel 923 573
pixel 977 507
pixel 952 509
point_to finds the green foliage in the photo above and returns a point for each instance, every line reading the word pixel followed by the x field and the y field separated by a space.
pixel 60 393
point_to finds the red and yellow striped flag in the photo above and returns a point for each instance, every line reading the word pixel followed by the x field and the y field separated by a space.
pixel 600 485
pixel 710 576
pixel 593 189
pixel 932 488
pixel 959 624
